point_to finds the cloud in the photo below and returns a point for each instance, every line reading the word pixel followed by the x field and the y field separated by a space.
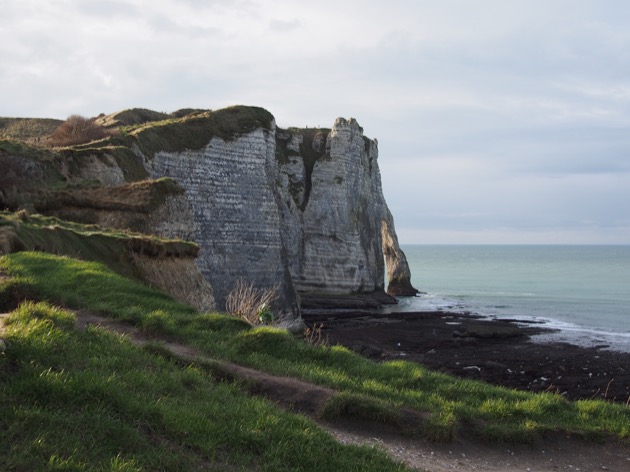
pixel 107 9
pixel 460 195
pixel 491 115
pixel 284 25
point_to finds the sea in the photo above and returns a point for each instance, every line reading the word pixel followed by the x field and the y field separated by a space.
pixel 582 292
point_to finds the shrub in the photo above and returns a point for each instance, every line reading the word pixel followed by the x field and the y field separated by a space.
pixel 77 130
pixel 265 315
pixel 251 304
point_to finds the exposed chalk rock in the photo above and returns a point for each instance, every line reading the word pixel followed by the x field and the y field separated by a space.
pixel 103 169
pixel 398 272
pixel 299 209
pixel 231 188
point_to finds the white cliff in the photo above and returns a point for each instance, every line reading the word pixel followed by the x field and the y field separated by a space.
pixel 340 223
pixel 299 209
pixel 230 189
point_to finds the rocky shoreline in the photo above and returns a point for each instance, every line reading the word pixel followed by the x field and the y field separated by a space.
pixel 500 352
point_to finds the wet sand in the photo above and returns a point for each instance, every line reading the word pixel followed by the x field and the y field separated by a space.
pixel 502 352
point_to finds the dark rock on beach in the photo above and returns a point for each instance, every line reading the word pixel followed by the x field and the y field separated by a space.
pixel 500 352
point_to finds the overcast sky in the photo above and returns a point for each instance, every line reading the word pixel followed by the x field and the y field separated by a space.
pixel 498 121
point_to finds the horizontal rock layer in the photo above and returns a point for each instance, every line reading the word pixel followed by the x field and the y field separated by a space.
pixel 301 210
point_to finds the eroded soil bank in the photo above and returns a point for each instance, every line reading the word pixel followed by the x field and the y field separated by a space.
pixel 498 352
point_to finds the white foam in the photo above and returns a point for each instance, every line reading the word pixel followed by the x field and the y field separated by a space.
pixel 583 336
pixel 562 331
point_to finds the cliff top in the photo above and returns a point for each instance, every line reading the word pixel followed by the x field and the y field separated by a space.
pixel 179 130
pixel 195 130
pixel 30 130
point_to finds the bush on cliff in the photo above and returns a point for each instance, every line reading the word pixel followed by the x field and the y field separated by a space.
pixel 77 130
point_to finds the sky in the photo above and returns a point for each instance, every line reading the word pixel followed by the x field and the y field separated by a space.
pixel 498 121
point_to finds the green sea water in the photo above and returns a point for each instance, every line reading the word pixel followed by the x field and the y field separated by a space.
pixel 584 291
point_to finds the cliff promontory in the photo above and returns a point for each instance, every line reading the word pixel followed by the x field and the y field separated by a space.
pixel 298 209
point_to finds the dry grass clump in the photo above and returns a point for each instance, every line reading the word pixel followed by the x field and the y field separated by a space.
pixel 250 303
pixel 313 335
pixel 77 130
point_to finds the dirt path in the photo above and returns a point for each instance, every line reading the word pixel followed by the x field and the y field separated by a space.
pixel 557 454
pixel 290 393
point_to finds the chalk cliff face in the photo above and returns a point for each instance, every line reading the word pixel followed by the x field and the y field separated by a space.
pixel 299 209
pixel 231 187
pixel 338 218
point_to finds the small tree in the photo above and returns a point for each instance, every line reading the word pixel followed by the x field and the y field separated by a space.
pixel 77 130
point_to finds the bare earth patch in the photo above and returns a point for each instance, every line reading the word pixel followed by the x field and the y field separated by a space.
pixel 555 454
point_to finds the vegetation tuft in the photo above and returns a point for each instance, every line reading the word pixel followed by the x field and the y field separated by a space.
pixel 250 303
pixel 77 130
pixel 315 336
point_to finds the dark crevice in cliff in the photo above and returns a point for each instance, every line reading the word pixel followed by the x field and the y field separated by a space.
pixel 308 184
pixel 312 149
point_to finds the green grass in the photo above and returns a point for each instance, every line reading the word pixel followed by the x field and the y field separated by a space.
pixel 20 148
pixel 378 391
pixel 195 131
pixel 91 285
pixel 89 242
pixel 90 400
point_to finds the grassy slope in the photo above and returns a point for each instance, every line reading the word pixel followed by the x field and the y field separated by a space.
pixel 91 400
pixel 88 242
pixel 369 390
